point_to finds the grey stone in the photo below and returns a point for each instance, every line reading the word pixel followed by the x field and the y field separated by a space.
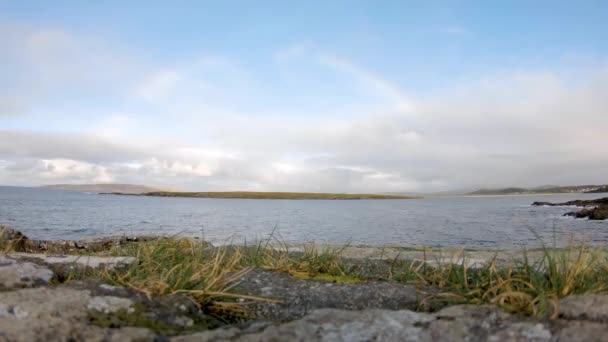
pixel 109 304
pixel 132 334
pixel 298 297
pixel 79 260
pixel 581 331
pixel 590 307
pixel 457 323
pixel 46 314
pixel 87 311
pixel 20 274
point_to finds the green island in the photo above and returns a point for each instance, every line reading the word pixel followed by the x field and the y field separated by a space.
pixel 275 195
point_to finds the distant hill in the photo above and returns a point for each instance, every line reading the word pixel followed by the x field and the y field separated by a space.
pixel 505 191
pixel 547 189
pixel 122 188
pixel 602 189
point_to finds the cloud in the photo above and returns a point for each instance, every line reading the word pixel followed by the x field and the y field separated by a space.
pixel 49 171
pixel 522 128
pixel 512 129
pixel 43 65
pixel 370 81
pixel 211 123
pixel 159 85
pixel 10 106
pixel 115 126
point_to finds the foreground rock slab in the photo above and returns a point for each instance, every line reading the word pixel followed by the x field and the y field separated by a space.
pixel 298 297
pixel 45 314
pixel 80 260
pixel 457 323
pixel 19 274
pixel 94 311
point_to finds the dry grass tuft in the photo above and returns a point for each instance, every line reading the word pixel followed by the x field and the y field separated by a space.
pixel 177 266
pixel 309 263
pixel 532 288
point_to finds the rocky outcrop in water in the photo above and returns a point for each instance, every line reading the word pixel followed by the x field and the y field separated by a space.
pixel 598 212
pixel 577 203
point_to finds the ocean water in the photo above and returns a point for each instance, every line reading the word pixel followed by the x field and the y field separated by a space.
pixel 473 222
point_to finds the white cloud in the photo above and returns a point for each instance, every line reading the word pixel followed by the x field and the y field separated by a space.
pixel 46 171
pixel 198 131
pixel 159 86
pixel 10 106
pixel 115 126
pixel 376 84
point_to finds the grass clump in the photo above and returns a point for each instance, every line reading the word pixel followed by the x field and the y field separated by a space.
pixel 529 287
pixel 179 266
pixel 309 263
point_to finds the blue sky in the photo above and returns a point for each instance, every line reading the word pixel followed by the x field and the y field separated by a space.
pixel 311 96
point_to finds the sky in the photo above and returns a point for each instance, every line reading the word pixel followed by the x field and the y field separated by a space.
pixel 321 96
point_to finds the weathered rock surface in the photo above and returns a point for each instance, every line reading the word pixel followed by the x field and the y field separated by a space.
pixel 456 323
pixel 20 274
pixel 36 268
pixel 93 311
pixel 590 307
pixel 83 246
pixel 298 297
pixel 13 240
pixel 47 314
pixel 78 260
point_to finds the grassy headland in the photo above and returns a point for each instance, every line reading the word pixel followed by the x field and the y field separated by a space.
pixel 274 195
pixel 543 190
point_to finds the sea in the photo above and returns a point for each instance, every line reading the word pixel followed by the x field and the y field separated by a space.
pixel 487 222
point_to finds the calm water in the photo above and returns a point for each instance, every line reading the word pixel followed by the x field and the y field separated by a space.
pixel 458 221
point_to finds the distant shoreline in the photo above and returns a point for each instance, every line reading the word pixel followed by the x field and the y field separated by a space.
pixel 517 195
pixel 267 195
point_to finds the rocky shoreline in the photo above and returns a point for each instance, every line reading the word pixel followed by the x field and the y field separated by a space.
pixel 596 209
pixel 39 302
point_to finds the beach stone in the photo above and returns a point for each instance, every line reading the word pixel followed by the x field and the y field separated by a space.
pixel 65 265
pixel 90 311
pixel 109 304
pixel 133 334
pixel 589 307
pixel 46 314
pixel 19 274
pixel 81 260
pixel 298 297
pixel 580 331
